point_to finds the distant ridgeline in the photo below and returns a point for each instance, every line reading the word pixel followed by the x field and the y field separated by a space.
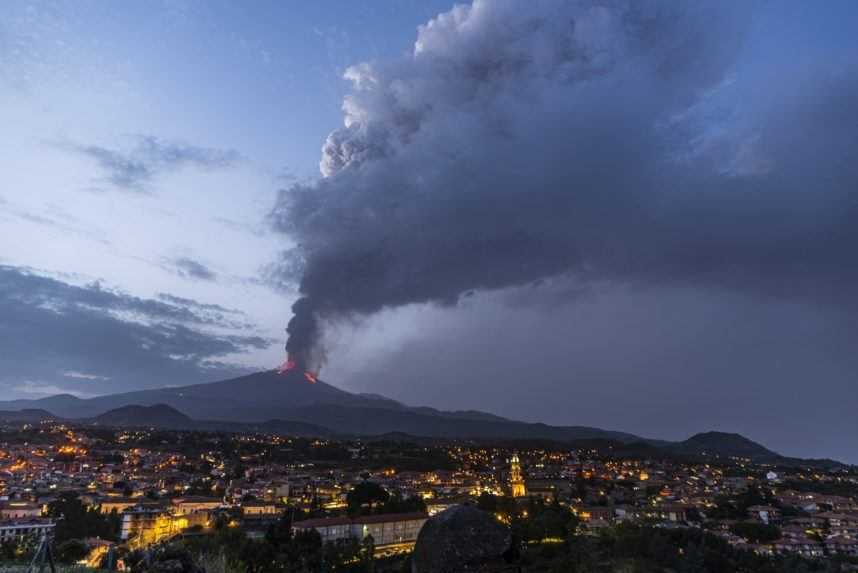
pixel 288 404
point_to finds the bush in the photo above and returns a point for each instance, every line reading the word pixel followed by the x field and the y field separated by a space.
pixel 756 532
pixel 71 550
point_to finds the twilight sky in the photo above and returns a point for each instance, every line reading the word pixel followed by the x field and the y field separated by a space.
pixel 637 216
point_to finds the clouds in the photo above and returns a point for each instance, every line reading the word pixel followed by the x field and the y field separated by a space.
pixel 189 268
pixel 549 152
pixel 135 168
pixel 614 141
pixel 52 217
pixel 662 362
pixel 91 339
pixel 484 159
pixel 83 375
pixel 537 155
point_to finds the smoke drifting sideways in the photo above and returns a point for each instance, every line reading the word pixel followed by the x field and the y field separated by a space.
pixel 523 141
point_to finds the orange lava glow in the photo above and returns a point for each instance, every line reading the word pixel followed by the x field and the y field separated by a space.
pixel 290 365
pixel 287 366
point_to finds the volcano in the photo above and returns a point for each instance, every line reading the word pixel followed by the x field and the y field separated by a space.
pixel 253 398
pixel 288 402
pixel 290 367
pixel 288 395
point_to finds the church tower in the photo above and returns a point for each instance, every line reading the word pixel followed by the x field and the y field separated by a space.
pixel 516 481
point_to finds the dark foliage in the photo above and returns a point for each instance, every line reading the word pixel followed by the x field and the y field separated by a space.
pixel 77 521
pixel 366 495
pixel 71 550
pixel 756 532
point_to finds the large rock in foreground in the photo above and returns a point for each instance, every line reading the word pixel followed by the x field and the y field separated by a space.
pixel 459 540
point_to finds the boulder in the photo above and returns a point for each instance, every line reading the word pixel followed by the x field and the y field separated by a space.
pixel 461 539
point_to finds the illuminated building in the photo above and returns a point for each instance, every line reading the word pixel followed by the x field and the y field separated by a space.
pixel 516 481
pixel 258 510
pixel 143 526
pixel 118 504
pixel 18 529
pixel 386 529
pixel 19 510
pixel 193 504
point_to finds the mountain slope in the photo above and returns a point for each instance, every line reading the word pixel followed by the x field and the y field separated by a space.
pixel 271 402
pixel 26 415
pixel 418 422
pixel 274 403
pixel 57 404
pixel 251 398
pixel 725 445
pixel 158 416
pixel 269 396
pixel 167 417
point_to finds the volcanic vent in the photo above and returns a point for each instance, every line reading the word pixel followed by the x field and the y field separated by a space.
pixel 290 368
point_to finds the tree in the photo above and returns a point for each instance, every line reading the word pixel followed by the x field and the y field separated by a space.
pixel 693 515
pixel 305 551
pixel 8 550
pixel 692 561
pixel 279 533
pixel 487 502
pixel 397 504
pixel 77 521
pixel 366 493
pixel 756 532
pixel 367 554
pixel 71 550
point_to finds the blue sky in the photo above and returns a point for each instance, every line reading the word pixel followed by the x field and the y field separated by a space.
pixel 262 87
pixel 649 207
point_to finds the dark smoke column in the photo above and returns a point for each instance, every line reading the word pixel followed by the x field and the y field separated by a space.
pixel 488 157
pixel 304 331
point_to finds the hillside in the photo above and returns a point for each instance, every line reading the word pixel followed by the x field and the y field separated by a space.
pixel 167 417
pixel 32 415
pixel 158 416
pixel 266 396
pixel 252 398
pixel 723 444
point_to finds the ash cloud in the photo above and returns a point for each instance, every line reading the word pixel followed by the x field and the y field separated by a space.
pixel 602 141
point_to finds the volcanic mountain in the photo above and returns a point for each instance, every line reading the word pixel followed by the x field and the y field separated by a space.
pixel 292 404
pixel 253 398
pixel 267 396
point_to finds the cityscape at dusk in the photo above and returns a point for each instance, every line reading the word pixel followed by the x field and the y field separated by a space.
pixel 425 286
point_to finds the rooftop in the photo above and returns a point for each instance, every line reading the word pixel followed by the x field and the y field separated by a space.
pixel 360 520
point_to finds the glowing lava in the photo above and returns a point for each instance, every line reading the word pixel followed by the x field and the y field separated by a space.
pixel 287 366
pixel 290 365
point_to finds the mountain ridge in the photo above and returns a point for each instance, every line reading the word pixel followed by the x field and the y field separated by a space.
pixel 268 395
pixel 269 401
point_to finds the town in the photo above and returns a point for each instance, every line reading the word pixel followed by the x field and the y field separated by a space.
pixel 105 497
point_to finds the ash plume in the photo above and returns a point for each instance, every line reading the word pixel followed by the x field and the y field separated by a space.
pixel 304 332
pixel 523 141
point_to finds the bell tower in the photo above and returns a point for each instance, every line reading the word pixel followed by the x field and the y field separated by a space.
pixel 516 481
